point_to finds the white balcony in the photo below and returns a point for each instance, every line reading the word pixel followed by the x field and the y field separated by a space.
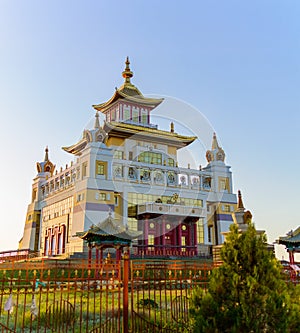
pixel 170 209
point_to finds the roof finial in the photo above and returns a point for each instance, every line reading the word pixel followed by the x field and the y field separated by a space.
pixel 46 155
pixel 97 124
pixel 215 144
pixel 172 127
pixel 127 73
pixel 240 201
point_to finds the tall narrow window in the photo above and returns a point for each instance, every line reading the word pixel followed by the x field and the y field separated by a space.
pixel 144 117
pixel 126 114
pixel 209 234
pixel 113 115
pixel 84 169
pixel 150 240
pixel 171 162
pixel 135 116
pixel 100 168
pixel 200 232
pixel 183 244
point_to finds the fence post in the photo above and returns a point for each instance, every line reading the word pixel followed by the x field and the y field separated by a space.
pixel 125 290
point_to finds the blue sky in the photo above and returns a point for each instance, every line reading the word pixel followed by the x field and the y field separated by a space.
pixel 237 62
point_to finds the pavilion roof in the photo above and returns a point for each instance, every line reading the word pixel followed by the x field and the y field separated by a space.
pixel 128 92
pixel 292 238
pixel 109 228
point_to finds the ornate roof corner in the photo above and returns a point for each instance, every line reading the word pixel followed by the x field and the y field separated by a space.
pixel 77 147
pixel 87 135
pixel 292 239
pixel 97 134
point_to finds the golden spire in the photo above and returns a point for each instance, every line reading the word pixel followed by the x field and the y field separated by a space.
pixel 97 124
pixel 240 201
pixel 127 73
pixel 46 155
pixel 215 144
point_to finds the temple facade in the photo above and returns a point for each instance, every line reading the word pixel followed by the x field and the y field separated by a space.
pixel 129 166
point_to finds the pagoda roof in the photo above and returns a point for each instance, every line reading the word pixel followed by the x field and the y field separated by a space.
pixel 108 229
pixel 77 147
pixel 125 130
pixel 128 92
pixel 292 238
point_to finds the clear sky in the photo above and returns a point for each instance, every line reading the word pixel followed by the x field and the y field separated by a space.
pixel 237 62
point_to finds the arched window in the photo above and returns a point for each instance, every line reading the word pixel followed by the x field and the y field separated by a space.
pixel 61 239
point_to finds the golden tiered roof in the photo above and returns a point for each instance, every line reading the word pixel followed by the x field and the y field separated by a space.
pixel 124 130
pixel 128 92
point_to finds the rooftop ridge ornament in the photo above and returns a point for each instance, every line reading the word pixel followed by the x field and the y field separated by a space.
pixel 127 92
pixel 240 200
pixel 215 144
pixel 46 165
pixel 97 124
pixel 127 73
pixel 216 153
pixel 46 154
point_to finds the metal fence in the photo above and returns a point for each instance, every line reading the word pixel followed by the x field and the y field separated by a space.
pixel 87 296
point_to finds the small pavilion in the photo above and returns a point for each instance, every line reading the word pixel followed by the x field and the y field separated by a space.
pixel 292 243
pixel 106 235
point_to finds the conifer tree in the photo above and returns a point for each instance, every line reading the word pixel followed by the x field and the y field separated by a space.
pixel 248 292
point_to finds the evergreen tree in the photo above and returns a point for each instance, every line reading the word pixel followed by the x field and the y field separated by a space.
pixel 247 293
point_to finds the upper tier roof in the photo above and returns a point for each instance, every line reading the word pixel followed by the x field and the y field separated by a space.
pixel 128 92
pixel 124 130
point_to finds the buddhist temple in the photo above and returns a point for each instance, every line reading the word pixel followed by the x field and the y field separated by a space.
pixel 129 167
